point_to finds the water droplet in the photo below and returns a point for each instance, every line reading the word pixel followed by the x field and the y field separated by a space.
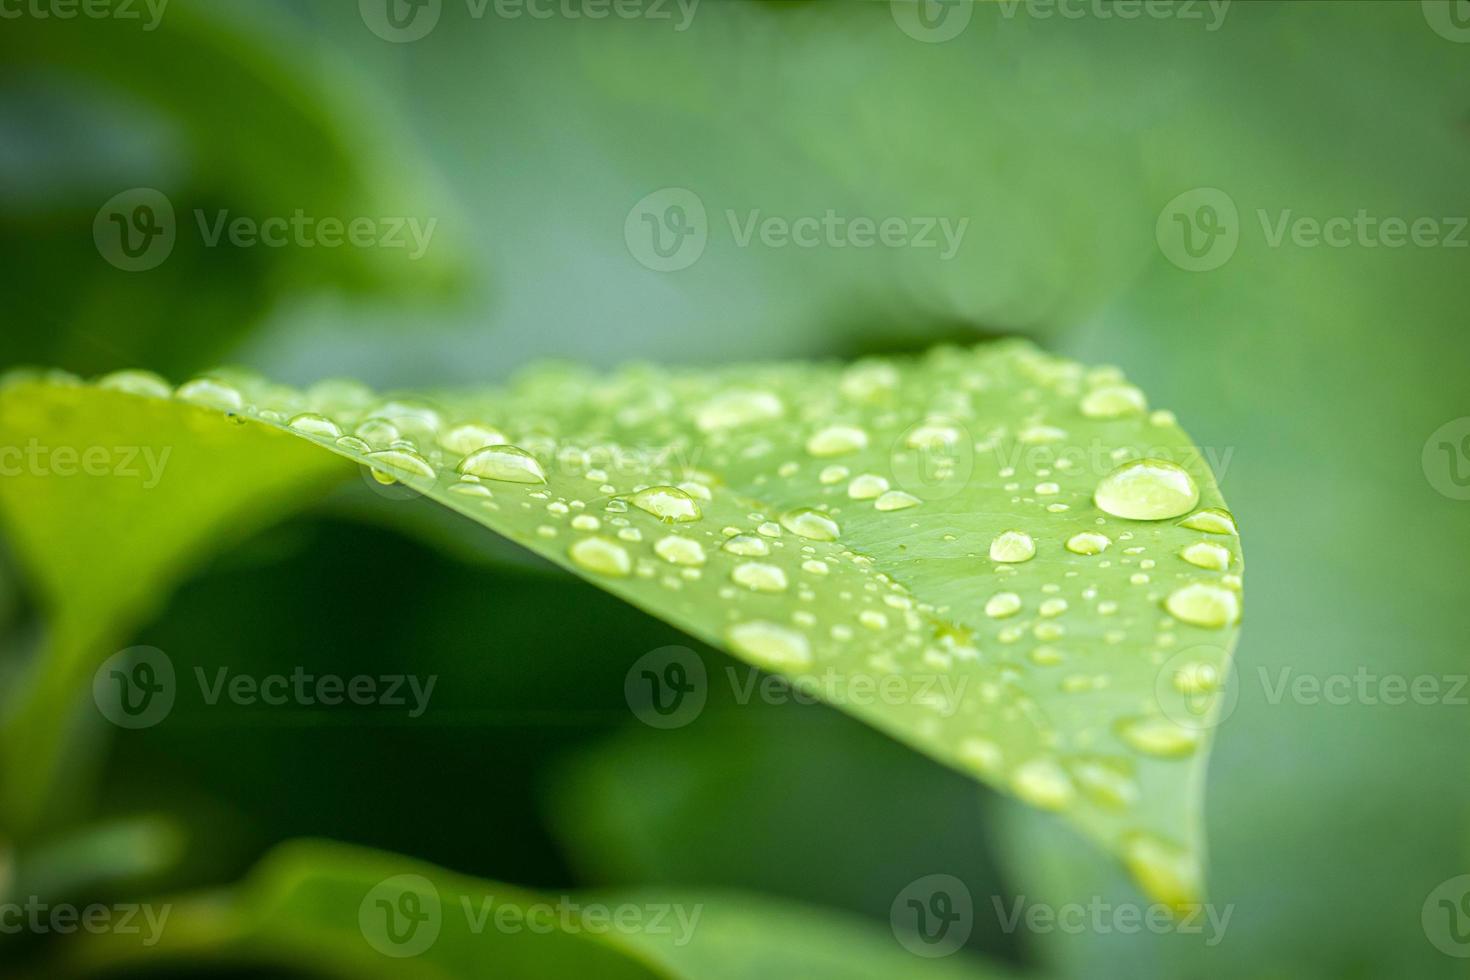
pixel 1053 607
pixel 1147 490
pixel 1043 783
pixel 868 381
pixel 933 435
pixel 1207 555
pixel 1201 604
pixel 601 556
pixel 814 567
pixel 1088 543
pixel 837 440
pixel 738 408
pixel 678 550
pixel 507 464
pixel 1012 546
pixel 1040 435
pixel 316 425
pixel 747 545
pixel 586 522
pixel 667 504
pixel 770 645
pixel 144 383
pixel 1158 736
pixel 1105 782
pixel 1164 870
pixel 1047 489
pixel 873 619
pixel 982 754
pixel 466 437
pixel 403 460
pixel 807 523
pixel 1211 520
pixel 759 577
pixel 1113 401
pixel 896 500
pixel 866 486
pixel 832 474
pixel 1003 604
pixel 211 394
pixel 377 433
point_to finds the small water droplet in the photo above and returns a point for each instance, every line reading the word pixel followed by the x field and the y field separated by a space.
pixel 1211 520
pixel 1147 490
pixel 1206 554
pixel 316 425
pixel 144 383
pixel 866 486
pixel 211 394
pixel 1158 736
pixel 1163 869
pixel 1043 783
pixel 747 545
pixel 738 408
pixel 896 500
pixel 403 460
pixel 1003 604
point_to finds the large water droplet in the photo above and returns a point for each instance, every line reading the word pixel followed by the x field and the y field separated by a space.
pixel 738 408
pixel 1201 604
pixel 867 486
pixel 508 464
pixel 1206 554
pixel 316 425
pixel 759 577
pixel 144 383
pixel 770 645
pixel 808 523
pixel 1088 543
pixel 402 460
pixel 1163 869
pixel 896 500
pixel 1043 783
pixel 1003 604
pixel 1147 490
pixel 667 504
pixel 1012 546
pixel 1113 401
pixel 211 394
pixel 601 556
pixel 1158 736
pixel 467 437
pixel 746 545
pixel 837 440
pixel 679 550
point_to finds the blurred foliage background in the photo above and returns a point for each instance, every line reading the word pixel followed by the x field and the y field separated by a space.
pixel 1315 373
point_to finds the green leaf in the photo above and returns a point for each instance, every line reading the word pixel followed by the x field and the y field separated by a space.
pixel 915 541
pixel 327 906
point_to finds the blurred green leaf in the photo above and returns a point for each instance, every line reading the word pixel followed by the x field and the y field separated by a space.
pixel 350 912
pixel 915 541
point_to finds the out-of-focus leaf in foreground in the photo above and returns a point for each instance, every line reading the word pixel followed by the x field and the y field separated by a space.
pixel 350 912
pixel 998 557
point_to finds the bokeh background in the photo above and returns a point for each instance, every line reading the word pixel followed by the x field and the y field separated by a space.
pixel 1138 185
